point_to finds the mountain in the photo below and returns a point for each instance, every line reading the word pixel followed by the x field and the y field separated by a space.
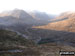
pixel 42 15
pixel 17 16
pixel 22 17
pixel 58 31
pixel 16 13
pixel 64 15
pixel 65 22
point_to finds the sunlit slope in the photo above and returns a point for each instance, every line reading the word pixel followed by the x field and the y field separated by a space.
pixel 67 24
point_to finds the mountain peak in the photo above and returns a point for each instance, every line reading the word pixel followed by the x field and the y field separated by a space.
pixel 18 13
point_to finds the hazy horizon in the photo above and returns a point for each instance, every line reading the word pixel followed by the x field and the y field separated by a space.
pixel 48 6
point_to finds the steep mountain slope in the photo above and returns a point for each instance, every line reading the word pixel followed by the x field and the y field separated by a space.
pixel 41 15
pixel 64 16
pixel 67 23
pixel 8 20
pixel 20 16
pixel 17 16
pixel 16 13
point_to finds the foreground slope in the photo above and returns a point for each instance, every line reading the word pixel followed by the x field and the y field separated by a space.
pixel 12 44
pixel 9 38
pixel 10 41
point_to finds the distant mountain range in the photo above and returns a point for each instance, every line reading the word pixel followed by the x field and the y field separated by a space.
pixel 20 16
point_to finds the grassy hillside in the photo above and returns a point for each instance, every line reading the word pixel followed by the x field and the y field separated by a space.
pixel 62 25
pixel 11 38
pixel 10 41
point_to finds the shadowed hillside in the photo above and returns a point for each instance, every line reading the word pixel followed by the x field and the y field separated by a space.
pixel 50 44
pixel 13 44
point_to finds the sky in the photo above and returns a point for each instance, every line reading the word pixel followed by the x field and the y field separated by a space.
pixel 49 6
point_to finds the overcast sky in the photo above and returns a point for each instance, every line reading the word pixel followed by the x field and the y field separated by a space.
pixel 49 6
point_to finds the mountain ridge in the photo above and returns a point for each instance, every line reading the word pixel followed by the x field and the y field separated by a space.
pixel 68 23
